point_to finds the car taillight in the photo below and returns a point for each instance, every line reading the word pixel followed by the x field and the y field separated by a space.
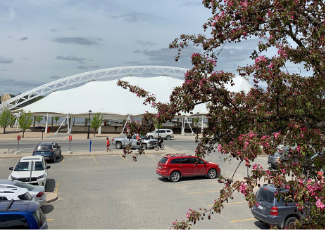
pixel 52 151
pixel 112 139
pixel 34 151
pixel 274 211
pixel 39 194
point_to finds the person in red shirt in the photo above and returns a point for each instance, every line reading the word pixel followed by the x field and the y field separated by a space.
pixel 107 144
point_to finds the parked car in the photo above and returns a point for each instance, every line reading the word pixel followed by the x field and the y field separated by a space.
pixel 280 156
pixel 49 150
pixel 21 214
pixel 22 170
pixel 164 133
pixel 175 166
pixel 273 211
pixel 37 192
pixel 121 142
pixel 14 194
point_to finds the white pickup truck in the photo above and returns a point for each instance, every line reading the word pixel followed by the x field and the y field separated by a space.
pixel 121 142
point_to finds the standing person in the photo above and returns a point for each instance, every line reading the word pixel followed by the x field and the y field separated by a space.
pixel 107 144
pixel 160 141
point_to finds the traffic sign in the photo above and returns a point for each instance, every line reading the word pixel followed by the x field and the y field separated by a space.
pixel 18 138
pixel 70 138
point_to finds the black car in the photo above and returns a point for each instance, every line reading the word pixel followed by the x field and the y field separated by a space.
pixel 49 150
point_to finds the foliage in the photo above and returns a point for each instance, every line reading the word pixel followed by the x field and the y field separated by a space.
pixel 56 120
pixel 12 119
pixel 39 119
pixel 5 119
pixel 290 111
pixel 25 120
pixel 158 125
pixel 96 122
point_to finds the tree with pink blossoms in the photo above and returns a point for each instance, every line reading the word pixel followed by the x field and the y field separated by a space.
pixel 290 111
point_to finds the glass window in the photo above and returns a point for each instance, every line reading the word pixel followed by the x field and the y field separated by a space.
pixel 25 196
pixel 169 131
pixel 39 217
pixel 21 166
pixel 13 221
pixel 39 166
pixel 175 161
pixel 44 147
pixel 185 160
pixel 23 185
pixel 265 195
pixel 197 160
pixel 163 160
pixel 3 198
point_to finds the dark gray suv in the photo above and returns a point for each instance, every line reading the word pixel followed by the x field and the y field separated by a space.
pixel 274 211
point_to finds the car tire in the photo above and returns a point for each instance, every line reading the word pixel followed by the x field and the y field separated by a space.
pixel 168 138
pixel 150 137
pixel 118 145
pixel 54 159
pixel 144 146
pixel 290 221
pixel 212 173
pixel 175 176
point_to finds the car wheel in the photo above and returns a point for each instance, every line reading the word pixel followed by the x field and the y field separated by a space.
pixel 144 146
pixel 175 176
pixel 118 145
pixel 150 137
pixel 168 138
pixel 290 221
pixel 212 174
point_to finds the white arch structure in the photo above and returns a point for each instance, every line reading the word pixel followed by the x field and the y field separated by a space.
pixel 89 76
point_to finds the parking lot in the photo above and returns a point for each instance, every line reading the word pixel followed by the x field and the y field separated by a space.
pixel 108 191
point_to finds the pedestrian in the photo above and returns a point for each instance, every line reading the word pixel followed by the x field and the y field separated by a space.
pixel 160 141
pixel 115 128
pixel 107 144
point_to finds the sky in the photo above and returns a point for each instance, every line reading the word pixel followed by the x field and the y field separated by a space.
pixel 42 41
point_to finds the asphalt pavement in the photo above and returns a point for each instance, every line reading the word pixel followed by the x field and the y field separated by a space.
pixel 113 192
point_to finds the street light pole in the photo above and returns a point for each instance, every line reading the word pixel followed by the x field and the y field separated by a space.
pixel 88 123
pixel 197 126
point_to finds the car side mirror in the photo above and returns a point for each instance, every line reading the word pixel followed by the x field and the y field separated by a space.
pixel 48 167
pixel 11 168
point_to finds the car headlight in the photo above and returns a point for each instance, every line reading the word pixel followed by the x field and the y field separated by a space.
pixel 13 178
pixel 42 176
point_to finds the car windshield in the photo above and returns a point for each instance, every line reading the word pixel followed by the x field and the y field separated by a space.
pixel 39 166
pixel 163 160
pixel 21 166
pixel 266 195
pixel 23 185
pixel 44 147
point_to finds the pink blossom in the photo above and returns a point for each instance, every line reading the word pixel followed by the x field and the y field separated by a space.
pixel 255 167
pixel 319 204
pixel 283 171
pixel 243 188
pixel 216 18
pixel 298 148
pixel 219 147
pixel 244 4
pixel 180 44
pixel 301 135
pixel 276 135
pixel 187 215
pixel 246 143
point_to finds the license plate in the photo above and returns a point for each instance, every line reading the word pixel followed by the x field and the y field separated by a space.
pixel 42 152
pixel 260 207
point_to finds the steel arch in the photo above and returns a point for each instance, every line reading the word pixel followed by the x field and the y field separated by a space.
pixel 88 76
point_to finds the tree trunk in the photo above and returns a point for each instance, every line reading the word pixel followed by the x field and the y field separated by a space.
pixel 94 132
pixel 4 130
pixel 23 133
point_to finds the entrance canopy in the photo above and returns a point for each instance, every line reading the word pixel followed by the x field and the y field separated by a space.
pixel 114 102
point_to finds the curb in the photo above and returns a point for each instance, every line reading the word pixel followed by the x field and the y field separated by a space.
pixel 50 197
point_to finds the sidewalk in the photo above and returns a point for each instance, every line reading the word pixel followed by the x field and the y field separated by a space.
pixel 114 151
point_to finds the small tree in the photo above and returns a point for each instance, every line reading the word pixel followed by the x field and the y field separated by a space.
pixel 5 119
pixel 158 125
pixel 56 120
pixel 12 120
pixel 96 122
pixel 39 119
pixel 25 121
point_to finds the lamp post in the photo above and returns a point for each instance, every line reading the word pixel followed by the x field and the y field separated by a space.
pixel 197 126
pixel 88 123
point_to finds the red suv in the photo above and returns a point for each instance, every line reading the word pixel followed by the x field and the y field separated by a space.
pixel 175 166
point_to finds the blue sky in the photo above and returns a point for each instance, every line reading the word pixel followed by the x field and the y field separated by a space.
pixel 42 41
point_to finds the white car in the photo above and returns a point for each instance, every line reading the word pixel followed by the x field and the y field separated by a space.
pixel 37 192
pixel 164 133
pixel 14 194
pixel 23 170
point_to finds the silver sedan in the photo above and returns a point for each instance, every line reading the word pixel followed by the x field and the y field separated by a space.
pixel 37 192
